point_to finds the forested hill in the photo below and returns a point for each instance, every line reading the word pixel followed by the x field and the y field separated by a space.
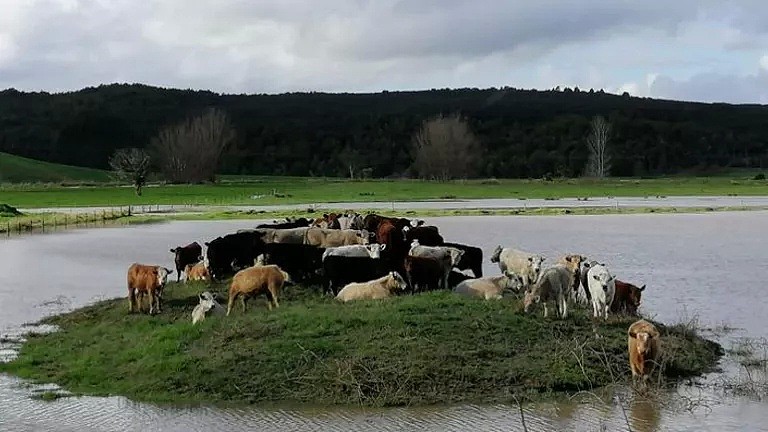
pixel 525 133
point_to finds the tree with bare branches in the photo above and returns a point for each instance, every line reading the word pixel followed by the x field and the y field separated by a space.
pixel 189 152
pixel 599 162
pixel 444 148
pixel 131 164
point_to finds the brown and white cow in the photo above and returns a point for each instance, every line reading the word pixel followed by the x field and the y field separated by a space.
pixel 146 280
pixel 185 255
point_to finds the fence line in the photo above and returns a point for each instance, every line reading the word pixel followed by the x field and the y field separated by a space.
pixel 50 222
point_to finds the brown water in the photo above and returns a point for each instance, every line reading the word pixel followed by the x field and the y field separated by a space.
pixel 702 265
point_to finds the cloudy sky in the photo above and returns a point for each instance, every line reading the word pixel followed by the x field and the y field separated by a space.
pixel 703 50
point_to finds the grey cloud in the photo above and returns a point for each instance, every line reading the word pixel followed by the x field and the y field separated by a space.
pixel 713 87
pixel 354 45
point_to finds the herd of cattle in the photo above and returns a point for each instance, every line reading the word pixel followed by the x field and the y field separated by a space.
pixel 374 257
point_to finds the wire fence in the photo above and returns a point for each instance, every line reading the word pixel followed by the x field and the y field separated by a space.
pixel 45 222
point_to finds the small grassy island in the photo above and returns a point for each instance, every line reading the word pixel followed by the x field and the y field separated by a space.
pixel 410 350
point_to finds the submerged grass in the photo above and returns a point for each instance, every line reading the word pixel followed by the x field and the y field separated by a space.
pixel 410 350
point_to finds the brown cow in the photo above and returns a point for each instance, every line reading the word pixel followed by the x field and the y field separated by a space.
pixel 146 279
pixel 626 298
pixel 196 272
pixel 268 280
pixel 643 341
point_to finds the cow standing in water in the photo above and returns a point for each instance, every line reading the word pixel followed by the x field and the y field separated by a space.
pixel 185 255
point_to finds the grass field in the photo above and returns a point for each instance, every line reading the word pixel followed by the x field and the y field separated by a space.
pixel 16 169
pixel 410 350
pixel 296 190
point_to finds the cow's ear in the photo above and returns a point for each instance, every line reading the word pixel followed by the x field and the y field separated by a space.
pixel 632 334
pixel 530 259
pixel 206 243
pixel 173 250
pixel 642 288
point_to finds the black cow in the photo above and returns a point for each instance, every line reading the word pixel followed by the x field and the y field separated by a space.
pixel 232 251
pixel 423 273
pixel 471 260
pixel 340 270
pixel 456 277
pixel 189 254
pixel 371 222
pixel 298 223
pixel 302 262
pixel 426 235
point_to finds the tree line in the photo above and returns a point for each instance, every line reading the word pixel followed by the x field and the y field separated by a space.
pixel 497 132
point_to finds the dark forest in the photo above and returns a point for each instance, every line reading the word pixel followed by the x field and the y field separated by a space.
pixel 522 133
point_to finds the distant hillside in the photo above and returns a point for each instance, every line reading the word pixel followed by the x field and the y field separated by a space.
pixel 525 133
pixel 16 169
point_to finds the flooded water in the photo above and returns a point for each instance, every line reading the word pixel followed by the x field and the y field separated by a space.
pixel 701 266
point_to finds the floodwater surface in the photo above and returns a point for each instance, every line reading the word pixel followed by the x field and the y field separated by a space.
pixel 696 266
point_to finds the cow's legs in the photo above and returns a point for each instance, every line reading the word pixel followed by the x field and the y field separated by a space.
pixel 230 303
pixel 563 306
pixel 152 295
pixel 242 300
pixel 605 311
pixel 545 310
pixel 272 295
pixel 131 299
pixel 158 297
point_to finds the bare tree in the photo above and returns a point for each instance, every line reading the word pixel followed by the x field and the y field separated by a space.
pixel 599 162
pixel 131 164
pixel 190 151
pixel 444 148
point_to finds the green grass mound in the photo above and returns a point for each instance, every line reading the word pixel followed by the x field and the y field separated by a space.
pixel 17 169
pixel 410 350
pixel 8 211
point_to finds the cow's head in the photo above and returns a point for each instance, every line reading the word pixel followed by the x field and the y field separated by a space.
pixel 401 284
pixel 260 260
pixel 496 254
pixel 573 262
pixel 512 281
pixel 534 261
pixel 531 297
pixel 162 275
pixel 642 341
pixel 456 255
pixel 601 275
pixel 374 250
pixel 635 295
